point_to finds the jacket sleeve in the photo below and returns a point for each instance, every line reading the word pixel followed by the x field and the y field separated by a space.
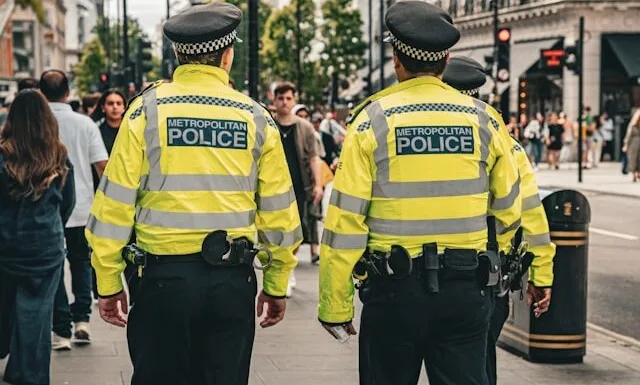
pixel 534 224
pixel 345 233
pixel 504 183
pixel 112 213
pixel 277 218
pixel 68 195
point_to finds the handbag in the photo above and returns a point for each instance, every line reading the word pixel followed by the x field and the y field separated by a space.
pixel 326 175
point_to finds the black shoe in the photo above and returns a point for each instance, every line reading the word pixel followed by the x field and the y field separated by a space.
pixel 315 258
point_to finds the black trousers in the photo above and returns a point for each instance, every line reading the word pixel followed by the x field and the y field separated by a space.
pixel 192 324
pixel 403 326
pixel 498 318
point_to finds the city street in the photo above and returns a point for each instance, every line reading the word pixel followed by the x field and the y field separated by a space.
pixel 614 244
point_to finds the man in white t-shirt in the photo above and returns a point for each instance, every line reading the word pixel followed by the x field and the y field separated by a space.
pixel 84 144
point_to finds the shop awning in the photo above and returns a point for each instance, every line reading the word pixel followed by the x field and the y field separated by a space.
pixel 627 49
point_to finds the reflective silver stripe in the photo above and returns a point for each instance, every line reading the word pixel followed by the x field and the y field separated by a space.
pixel 485 131
pixel 432 189
pixel 276 202
pixel 280 238
pixel 152 136
pixel 349 203
pixel 531 202
pixel 503 230
pixel 117 192
pixel 261 123
pixel 108 230
pixel 507 202
pixel 427 226
pixel 196 182
pixel 381 132
pixel 344 241
pixel 195 221
pixel 538 239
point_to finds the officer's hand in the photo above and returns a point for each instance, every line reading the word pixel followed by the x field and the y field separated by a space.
pixel 348 327
pixel 111 312
pixel 317 194
pixel 275 309
pixel 540 297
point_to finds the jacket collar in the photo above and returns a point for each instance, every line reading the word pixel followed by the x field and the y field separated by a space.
pixel 189 71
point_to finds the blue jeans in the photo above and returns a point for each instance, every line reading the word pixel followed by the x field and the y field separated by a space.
pixel 81 283
pixel 30 350
pixel 536 150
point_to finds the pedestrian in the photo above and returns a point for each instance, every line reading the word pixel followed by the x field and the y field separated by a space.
pixel 196 171
pixel 533 133
pixel 417 168
pixel 37 194
pixel 567 151
pixel 554 140
pixel 512 126
pixel 299 142
pixel 86 151
pixel 89 103
pixel 468 76
pixel 632 146
pixel 607 131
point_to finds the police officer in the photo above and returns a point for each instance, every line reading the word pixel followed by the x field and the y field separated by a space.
pixel 467 75
pixel 415 174
pixel 197 170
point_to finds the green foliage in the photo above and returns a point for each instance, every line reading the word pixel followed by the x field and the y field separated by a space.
pixel 93 62
pixel 278 54
pixel 35 5
pixel 340 34
pixel 344 49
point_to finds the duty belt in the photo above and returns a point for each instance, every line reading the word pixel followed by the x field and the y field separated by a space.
pixel 218 249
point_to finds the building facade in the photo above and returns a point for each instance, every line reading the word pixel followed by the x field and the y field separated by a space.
pixel 81 19
pixel 6 49
pixel 27 43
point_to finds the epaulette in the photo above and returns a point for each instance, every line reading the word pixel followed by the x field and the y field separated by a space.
pixel 356 111
pixel 149 87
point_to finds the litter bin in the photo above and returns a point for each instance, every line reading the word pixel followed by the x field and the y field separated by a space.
pixel 558 336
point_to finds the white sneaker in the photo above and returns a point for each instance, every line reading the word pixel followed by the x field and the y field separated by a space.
pixel 291 285
pixel 81 334
pixel 60 343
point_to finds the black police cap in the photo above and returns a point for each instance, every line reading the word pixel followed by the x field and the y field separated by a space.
pixel 464 74
pixel 420 30
pixel 204 28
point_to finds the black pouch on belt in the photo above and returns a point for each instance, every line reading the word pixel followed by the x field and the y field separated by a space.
pixel 431 267
pixel 218 249
pixel 460 264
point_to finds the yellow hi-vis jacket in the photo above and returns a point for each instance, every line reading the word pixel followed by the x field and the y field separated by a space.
pixel 534 222
pixel 417 166
pixel 193 156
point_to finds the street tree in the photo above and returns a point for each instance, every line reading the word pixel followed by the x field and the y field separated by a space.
pixel 92 63
pixel 36 5
pixel 344 47
pixel 279 48
pixel 111 39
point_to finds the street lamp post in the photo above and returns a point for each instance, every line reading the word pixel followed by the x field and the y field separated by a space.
pixel 125 43
pixel 253 49
pixel 381 44
pixel 369 78
pixel 298 48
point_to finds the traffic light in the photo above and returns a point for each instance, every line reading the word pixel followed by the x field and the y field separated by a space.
pixel 522 97
pixel 143 62
pixel 488 68
pixel 504 53
pixel 572 59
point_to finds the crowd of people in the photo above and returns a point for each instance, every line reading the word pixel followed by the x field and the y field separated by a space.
pixel 554 139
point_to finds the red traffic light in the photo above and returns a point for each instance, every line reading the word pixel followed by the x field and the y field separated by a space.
pixel 504 35
pixel 104 77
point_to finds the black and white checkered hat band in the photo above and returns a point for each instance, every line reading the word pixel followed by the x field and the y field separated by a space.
pixel 207 46
pixel 416 53
pixel 470 92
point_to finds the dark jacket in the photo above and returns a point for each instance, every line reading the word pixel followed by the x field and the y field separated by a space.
pixel 32 233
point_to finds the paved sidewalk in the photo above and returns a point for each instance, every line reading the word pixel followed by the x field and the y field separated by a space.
pixel 607 178
pixel 298 351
